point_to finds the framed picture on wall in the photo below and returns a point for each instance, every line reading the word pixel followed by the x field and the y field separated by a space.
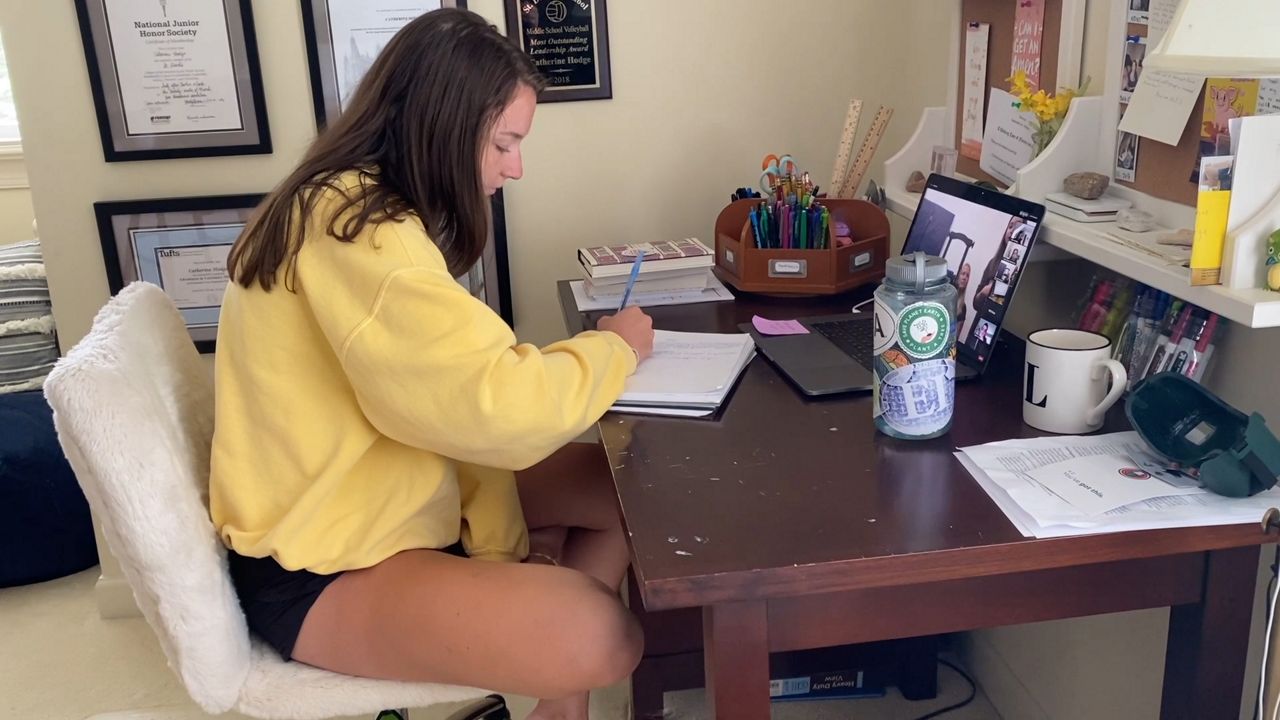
pixel 343 38
pixel 490 278
pixel 180 244
pixel 568 41
pixel 174 79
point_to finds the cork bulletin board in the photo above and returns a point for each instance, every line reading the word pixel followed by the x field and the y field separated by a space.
pixel 1000 14
pixel 1164 171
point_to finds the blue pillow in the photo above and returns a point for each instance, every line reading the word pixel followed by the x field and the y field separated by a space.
pixel 45 530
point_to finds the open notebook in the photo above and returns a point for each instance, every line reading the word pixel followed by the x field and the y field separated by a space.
pixel 688 374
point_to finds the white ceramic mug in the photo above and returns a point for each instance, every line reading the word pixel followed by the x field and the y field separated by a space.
pixel 1065 381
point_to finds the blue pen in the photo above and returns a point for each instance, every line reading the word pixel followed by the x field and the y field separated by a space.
pixel 631 281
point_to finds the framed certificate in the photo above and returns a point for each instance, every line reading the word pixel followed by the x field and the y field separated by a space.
pixel 180 244
pixel 343 38
pixel 174 78
pixel 568 41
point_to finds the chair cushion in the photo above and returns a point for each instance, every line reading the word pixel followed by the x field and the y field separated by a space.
pixel 133 405
pixel 45 530
pixel 280 690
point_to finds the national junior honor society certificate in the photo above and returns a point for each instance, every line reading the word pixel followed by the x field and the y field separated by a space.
pixel 174 66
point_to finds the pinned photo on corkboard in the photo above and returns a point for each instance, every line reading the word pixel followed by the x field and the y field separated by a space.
pixel 1135 51
pixel 1126 156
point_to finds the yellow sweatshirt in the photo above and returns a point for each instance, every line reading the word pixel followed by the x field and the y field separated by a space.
pixel 381 407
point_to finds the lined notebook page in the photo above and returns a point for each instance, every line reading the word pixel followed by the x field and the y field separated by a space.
pixel 692 365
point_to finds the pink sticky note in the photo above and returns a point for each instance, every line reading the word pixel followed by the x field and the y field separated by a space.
pixel 778 327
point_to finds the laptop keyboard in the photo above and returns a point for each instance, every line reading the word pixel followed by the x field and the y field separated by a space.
pixel 853 336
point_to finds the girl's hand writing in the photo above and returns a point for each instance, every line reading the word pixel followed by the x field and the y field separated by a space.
pixel 634 327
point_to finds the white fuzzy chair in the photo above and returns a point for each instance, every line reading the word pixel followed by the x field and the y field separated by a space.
pixel 133 407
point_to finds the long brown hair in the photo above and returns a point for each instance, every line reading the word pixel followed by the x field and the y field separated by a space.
pixel 415 130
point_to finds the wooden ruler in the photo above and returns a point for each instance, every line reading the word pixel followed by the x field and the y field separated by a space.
pixel 851 182
pixel 846 145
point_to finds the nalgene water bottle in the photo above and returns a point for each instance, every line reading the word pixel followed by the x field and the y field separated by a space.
pixel 915 348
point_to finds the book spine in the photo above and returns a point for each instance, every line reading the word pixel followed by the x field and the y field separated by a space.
pixel 844 682
pixel 654 252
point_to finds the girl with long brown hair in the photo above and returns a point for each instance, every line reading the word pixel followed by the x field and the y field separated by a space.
pixel 371 413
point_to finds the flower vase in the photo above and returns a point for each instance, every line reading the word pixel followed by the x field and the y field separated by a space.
pixel 1043 135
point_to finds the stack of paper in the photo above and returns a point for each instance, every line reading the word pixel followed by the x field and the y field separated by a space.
pixel 674 281
pixel 1057 486
pixel 714 291
pixel 688 374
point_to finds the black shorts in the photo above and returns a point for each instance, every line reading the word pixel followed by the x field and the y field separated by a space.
pixel 276 601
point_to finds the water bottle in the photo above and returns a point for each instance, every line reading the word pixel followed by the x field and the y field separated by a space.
pixel 914 334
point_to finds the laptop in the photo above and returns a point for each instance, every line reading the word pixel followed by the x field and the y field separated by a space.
pixel 984 235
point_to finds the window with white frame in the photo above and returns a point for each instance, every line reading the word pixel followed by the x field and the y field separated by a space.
pixel 8 113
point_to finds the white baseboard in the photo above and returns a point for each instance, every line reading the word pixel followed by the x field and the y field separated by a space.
pixel 115 599
pixel 999 683
pixel 184 712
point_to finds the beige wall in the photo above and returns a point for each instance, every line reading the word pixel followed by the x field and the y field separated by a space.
pixel 697 101
pixel 16 215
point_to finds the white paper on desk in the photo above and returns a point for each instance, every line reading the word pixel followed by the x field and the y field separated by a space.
pixel 714 292
pixel 1036 511
pixel 1099 483
pixel 1161 104
pixel 1019 517
pixel 1007 144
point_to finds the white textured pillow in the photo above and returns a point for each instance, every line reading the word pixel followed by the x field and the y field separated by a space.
pixel 28 344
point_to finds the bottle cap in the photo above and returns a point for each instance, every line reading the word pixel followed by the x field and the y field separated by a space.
pixel 916 269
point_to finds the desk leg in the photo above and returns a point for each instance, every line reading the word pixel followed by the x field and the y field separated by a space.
pixel 1204 663
pixel 736 653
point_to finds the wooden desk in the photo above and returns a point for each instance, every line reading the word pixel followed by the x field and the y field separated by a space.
pixel 793 524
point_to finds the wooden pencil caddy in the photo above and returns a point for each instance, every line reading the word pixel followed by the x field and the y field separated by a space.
pixel 827 271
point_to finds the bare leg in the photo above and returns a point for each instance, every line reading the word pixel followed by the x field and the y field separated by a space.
pixel 545 632
pixel 424 615
pixel 573 490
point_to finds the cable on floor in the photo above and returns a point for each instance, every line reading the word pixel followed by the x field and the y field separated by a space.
pixel 973 692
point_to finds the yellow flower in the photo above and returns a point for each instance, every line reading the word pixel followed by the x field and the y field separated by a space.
pixel 1062 102
pixel 1019 85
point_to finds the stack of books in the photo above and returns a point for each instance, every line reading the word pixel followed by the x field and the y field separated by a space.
pixel 672 267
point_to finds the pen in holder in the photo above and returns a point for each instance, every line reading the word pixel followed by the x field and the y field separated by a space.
pixel 834 263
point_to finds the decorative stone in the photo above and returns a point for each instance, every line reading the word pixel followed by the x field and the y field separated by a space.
pixel 1177 237
pixel 916 182
pixel 1087 185
pixel 1136 220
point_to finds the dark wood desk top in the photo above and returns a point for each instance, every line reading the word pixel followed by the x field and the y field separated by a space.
pixel 783 495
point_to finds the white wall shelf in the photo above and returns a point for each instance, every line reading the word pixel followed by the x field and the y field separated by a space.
pixel 1062 238
pixel 1254 307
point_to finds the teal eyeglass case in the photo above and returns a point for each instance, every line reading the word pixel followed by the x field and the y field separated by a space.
pixel 1236 455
